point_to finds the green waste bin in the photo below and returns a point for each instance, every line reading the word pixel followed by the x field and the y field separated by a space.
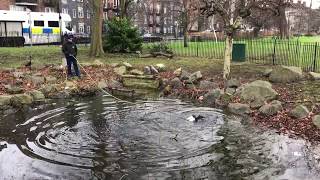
pixel 239 52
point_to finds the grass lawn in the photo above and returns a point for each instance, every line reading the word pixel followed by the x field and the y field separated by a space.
pixel 300 51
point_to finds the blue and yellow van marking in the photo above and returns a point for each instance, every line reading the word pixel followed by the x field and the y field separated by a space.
pixel 39 30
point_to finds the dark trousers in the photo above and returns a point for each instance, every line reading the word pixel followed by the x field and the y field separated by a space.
pixel 72 61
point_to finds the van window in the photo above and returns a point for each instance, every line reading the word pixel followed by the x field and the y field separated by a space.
pixel 53 23
pixel 38 23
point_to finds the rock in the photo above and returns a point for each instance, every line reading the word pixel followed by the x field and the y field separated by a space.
pixel 97 62
pixel 167 90
pixel 160 67
pixel 115 65
pixel 271 109
pixel 18 74
pixel 231 91
pixel 136 72
pixel 194 77
pixel 299 112
pixel 316 121
pixel 19 82
pixel 258 91
pixel 164 83
pixel 102 84
pixel 233 83
pixel 5 100
pixel 114 84
pixel 147 70
pixel 48 89
pixel 178 72
pixel 239 109
pixel 50 79
pixel 184 75
pixel 285 74
pixel 20 100
pixel 37 80
pixel 211 97
pixel 176 83
pixel 127 65
pixel 61 95
pixel 153 70
pixel 36 95
pixel 257 103
pixel 206 85
pixel 70 85
pixel 120 70
pixel 14 89
pixel 314 76
pixel 267 72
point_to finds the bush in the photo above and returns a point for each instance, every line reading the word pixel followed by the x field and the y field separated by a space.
pixel 160 47
pixel 121 37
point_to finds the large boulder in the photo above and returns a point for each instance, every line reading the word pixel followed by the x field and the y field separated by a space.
pixel 316 121
pixel 37 80
pixel 120 70
pixel 231 91
pixel 160 67
pixel 271 109
pixel 176 83
pixel 114 84
pixel 258 91
pixel 267 72
pixel 127 65
pixel 195 77
pixel 212 96
pixel 178 72
pixel 5 100
pixel 50 79
pixel 314 76
pixel 18 74
pixel 184 75
pixel 207 85
pixel 13 89
pixel 48 89
pixel 102 84
pixel 36 95
pixel 154 70
pixel 136 72
pixel 20 100
pixel 286 74
pixel 97 62
pixel 233 83
pixel 299 112
pixel 147 70
pixel 239 109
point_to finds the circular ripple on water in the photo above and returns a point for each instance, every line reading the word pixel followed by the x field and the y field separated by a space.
pixel 140 140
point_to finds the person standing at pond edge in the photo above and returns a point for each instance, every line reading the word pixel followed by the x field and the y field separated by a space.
pixel 69 48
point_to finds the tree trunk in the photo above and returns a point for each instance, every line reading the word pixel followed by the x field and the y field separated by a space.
pixel 227 58
pixel 256 31
pixel 96 48
pixel 185 38
pixel 185 29
pixel 283 24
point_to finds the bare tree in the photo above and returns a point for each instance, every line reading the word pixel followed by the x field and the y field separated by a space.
pixel 96 48
pixel 232 12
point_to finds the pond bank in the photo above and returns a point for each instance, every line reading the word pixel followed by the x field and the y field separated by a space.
pixel 205 89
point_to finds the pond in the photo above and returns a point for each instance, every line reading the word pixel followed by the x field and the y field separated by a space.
pixel 98 138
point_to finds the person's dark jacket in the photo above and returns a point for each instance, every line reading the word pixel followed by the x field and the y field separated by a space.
pixel 69 49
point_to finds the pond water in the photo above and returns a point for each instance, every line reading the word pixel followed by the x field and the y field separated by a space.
pixel 102 139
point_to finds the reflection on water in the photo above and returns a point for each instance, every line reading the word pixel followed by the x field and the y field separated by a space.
pixel 102 139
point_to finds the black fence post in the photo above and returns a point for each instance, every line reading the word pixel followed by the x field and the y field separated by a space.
pixel 315 57
pixel 274 52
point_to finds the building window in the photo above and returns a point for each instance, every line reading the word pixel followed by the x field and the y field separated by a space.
pixel 165 10
pixel 80 12
pixel 158 30
pixel 88 14
pixel 165 30
pixel 88 29
pixel 53 23
pixel 65 11
pixel 158 8
pixel 74 12
pixel 158 19
pixel 64 1
pixel 74 28
pixel 81 27
pixel 49 9
pixel 38 23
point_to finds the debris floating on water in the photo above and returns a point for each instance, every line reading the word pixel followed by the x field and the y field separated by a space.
pixel 194 118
